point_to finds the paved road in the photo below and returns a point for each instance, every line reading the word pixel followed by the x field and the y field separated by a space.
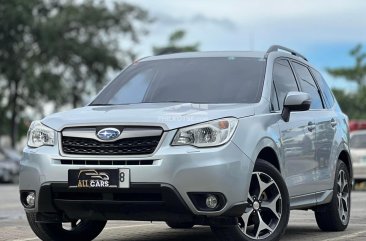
pixel 302 226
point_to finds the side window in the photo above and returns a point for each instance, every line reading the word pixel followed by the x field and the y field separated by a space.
pixel 308 85
pixel 283 79
pixel 328 96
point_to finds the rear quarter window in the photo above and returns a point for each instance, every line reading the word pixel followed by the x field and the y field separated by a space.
pixel 324 88
pixel 308 85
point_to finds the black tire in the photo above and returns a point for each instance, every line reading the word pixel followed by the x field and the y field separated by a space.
pixel 235 233
pixel 180 225
pixel 328 216
pixel 83 231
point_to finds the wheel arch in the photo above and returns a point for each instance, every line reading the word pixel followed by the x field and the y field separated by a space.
pixel 267 150
pixel 269 155
pixel 346 158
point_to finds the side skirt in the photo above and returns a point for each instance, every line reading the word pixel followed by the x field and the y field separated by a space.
pixel 311 200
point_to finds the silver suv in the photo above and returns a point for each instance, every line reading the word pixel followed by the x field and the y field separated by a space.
pixel 234 140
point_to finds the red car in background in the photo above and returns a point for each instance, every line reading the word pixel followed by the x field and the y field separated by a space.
pixel 355 125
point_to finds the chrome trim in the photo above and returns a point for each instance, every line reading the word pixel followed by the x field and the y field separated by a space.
pixel 128 132
pixel 89 162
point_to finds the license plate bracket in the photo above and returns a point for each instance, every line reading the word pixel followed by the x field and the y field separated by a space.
pixel 99 178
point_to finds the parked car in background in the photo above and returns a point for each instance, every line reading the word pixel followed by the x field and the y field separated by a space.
pixel 358 153
pixel 9 165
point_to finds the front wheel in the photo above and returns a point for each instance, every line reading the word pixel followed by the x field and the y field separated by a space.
pixel 78 230
pixel 335 215
pixel 267 215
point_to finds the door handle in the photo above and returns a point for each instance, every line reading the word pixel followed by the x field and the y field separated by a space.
pixel 311 126
pixel 333 122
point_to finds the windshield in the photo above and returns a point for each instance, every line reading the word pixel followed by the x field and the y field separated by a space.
pixel 358 141
pixel 187 80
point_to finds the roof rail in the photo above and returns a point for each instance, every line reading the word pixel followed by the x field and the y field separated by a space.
pixel 275 48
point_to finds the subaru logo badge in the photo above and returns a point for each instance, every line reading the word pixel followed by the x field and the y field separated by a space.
pixel 108 134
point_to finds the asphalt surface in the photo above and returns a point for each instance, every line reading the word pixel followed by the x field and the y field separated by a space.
pixel 302 226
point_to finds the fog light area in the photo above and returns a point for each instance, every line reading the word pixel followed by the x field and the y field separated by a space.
pixel 28 199
pixel 211 201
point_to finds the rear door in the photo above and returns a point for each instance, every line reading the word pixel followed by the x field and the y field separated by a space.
pixel 325 121
pixel 327 124
pixel 297 135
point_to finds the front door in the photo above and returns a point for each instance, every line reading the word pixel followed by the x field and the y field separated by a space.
pixel 298 138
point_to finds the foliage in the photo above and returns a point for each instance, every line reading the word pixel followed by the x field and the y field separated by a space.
pixel 52 51
pixel 173 45
pixel 357 73
pixel 353 103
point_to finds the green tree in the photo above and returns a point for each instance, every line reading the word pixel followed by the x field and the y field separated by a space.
pixel 53 51
pixel 173 45
pixel 356 73
pixel 353 103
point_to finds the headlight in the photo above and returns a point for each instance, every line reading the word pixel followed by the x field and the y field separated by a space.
pixel 40 135
pixel 209 134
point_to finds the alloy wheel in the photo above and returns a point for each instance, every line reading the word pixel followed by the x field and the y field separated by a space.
pixel 343 195
pixel 264 211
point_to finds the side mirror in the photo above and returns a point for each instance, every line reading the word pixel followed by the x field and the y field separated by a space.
pixel 295 101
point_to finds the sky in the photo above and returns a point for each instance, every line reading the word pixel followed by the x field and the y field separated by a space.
pixel 324 31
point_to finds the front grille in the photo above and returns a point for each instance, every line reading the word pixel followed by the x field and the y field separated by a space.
pixel 128 146
pixel 108 162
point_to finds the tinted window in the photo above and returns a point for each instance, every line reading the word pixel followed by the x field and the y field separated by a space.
pixel 308 85
pixel 327 93
pixel 187 80
pixel 283 79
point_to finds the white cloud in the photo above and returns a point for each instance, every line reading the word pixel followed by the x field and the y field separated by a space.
pixel 305 25
pixel 234 24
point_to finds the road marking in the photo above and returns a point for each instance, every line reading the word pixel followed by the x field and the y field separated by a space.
pixel 345 237
pixel 26 239
pixel 130 226
pixel 109 228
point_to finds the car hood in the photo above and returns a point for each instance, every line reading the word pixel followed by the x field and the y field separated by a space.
pixel 167 115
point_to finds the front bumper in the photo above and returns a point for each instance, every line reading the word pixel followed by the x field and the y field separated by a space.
pixel 183 169
pixel 154 202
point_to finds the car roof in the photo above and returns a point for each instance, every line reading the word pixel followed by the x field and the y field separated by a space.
pixel 207 54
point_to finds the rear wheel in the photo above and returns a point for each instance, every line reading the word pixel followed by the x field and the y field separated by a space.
pixel 335 215
pixel 180 225
pixel 77 230
pixel 267 215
